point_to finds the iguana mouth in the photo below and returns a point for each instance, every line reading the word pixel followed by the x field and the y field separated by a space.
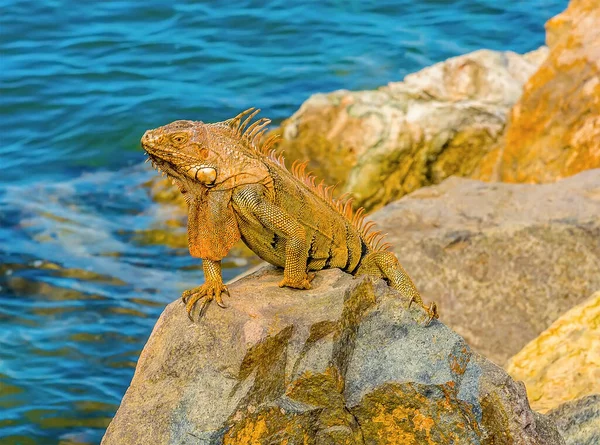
pixel 204 174
pixel 159 163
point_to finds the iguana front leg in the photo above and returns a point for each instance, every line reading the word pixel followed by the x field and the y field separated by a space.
pixel 212 288
pixel 252 203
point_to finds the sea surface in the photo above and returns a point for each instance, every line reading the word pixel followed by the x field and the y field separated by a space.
pixel 86 260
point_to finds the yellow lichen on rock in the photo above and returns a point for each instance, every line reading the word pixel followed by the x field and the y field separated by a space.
pixel 251 433
pixel 563 363
pixel 410 413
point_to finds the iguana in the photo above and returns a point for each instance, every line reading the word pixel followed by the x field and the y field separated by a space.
pixel 236 186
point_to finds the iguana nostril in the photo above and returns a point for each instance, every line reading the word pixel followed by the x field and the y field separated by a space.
pixel 148 138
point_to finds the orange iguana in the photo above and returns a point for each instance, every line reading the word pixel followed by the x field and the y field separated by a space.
pixel 237 187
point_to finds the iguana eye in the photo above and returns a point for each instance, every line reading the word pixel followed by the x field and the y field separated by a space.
pixel 179 138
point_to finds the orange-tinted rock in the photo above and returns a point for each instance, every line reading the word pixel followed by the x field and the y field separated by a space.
pixel 554 129
pixel 379 145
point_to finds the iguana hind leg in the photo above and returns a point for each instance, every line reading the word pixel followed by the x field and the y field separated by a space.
pixel 385 265
pixel 213 288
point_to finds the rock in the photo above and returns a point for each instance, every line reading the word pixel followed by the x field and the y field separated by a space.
pixel 562 363
pixel 503 261
pixel 554 129
pixel 579 421
pixel 342 363
pixel 379 145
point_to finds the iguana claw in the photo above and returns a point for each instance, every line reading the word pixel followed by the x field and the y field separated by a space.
pixel 303 283
pixel 432 312
pixel 209 291
pixel 219 299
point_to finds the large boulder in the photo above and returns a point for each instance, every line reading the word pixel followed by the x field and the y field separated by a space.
pixel 563 363
pixel 342 363
pixel 381 144
pixel 503 261
pixel 554 129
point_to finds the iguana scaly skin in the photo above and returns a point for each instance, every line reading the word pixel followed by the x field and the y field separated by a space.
pixel 236 187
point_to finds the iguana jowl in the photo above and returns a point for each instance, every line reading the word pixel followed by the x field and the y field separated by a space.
pixel 236 187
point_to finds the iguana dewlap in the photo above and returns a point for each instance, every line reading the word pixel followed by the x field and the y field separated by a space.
pixel 236 187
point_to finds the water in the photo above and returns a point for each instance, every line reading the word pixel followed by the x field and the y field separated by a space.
pixel 85 265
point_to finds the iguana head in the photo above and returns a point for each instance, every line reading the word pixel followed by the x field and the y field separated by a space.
pixel 201 157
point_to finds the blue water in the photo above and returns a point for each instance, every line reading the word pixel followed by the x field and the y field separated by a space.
pixel 83 275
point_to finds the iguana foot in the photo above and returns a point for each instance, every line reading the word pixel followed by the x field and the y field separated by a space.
pixel 431 311
pixel 303 283
pixel 209 291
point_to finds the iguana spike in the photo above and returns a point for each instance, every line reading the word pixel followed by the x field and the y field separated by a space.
pixel 269 143
pixel 261 123
pixel 242 126
pixel 344 197
pixel 257 138
pixel 361 220
pixel 367 227
pixel 378 245
pixel 329 191
pixel 371 236
pixel 357 216
pixel 234 122
pixel 347 210
pixel 302 169
pixel 294 167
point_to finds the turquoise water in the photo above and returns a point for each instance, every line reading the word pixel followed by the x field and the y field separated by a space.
pixel 82 279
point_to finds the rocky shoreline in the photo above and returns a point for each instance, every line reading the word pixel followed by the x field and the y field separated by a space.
pixel 513 265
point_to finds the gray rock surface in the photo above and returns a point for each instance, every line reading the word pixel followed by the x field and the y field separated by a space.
pixel 342 363
pixel 579 421
pixel 503 261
